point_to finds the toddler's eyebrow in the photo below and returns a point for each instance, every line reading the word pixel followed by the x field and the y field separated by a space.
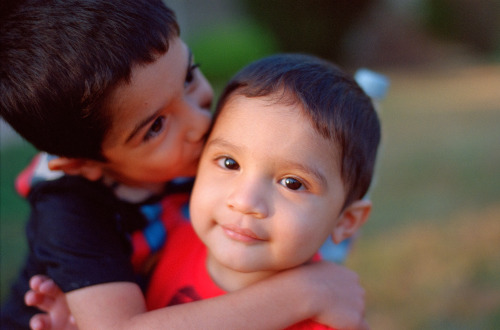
pixel 308 169
pixel 219 142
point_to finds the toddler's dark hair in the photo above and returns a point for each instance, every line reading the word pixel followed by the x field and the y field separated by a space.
pixel 337 107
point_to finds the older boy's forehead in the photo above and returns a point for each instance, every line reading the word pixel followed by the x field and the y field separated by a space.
pixel 153 87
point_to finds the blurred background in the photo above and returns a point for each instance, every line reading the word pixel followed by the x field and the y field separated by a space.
pixel 429 257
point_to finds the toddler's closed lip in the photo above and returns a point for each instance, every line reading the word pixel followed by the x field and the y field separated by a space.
pixel 237 233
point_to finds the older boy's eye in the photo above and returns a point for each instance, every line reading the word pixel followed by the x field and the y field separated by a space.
pixel 228 163
pixel 292 183
pixel 190 74
pixel 156 128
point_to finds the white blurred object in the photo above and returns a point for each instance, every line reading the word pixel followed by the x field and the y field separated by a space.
pixel 374 84
pixel 8 136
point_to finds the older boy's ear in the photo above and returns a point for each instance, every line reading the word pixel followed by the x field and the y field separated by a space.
pixel 351 219
pixel 89 169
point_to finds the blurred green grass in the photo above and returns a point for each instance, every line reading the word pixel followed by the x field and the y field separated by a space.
pixel 440 150
pixel 13 213
pixel 429 256
pixel 223 50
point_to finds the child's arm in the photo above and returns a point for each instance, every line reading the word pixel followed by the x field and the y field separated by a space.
pixel 329 293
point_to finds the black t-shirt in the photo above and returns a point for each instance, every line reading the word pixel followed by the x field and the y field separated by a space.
pixel 78 236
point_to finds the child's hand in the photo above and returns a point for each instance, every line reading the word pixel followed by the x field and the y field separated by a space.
pixel 48 297
pixel 337 295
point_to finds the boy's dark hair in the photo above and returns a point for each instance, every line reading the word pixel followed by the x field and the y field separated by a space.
pixel 61 59
pixel 337 107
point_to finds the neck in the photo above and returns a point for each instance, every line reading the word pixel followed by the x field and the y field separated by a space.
pixel 230 279
pixel 133 194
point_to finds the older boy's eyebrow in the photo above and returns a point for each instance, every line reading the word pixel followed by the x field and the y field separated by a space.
pixel 142 124
pixel 190 59
pixel 189 62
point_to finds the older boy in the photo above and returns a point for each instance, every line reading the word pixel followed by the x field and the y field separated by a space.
pixel 287 163
pixel 110 88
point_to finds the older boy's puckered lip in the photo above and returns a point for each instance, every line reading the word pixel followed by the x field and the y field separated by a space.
pixel 239 234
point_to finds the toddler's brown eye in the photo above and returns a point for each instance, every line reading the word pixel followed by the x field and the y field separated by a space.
pixel 292 183
pixel 228 163
pixel 231 164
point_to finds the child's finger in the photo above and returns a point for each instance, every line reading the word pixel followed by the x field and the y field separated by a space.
pixel 36 281
pixel 40 301
pixel 40 322
pixel 31 298
pixel 44 285
pixel 49 288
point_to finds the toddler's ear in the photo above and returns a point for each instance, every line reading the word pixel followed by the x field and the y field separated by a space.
pixel 89 169
pixel 351 219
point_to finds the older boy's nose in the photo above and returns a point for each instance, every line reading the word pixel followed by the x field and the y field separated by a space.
pixel 205 93
pixel 198 125
pixel 248 198
pixel 201 101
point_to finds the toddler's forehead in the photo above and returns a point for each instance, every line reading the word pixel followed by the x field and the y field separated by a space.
pixel 291 102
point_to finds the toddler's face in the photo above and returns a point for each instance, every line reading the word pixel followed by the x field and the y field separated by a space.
pixel 268 190
pixel 159 120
